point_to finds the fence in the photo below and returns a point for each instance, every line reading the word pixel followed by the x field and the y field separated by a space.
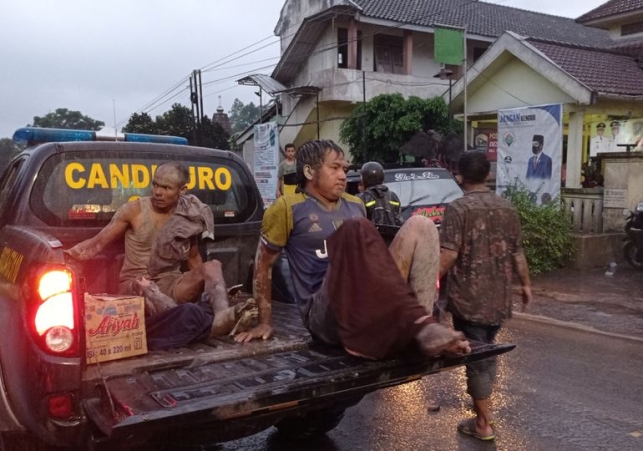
pixel 586 208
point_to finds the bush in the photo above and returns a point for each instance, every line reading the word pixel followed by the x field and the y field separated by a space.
pixel 546 231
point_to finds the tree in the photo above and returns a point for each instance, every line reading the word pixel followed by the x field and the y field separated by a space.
pixel 8 150
pixel 377 129
pixel 243 116
pixel 141 123
pixel 179 121
pixel 213 135
pixel 64 118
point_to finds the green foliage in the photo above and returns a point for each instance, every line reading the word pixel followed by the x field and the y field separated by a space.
pixel 64 118
pixel 377 129
pixel 179 121
pixel 242 116
pixel 141 123
pixel 546 231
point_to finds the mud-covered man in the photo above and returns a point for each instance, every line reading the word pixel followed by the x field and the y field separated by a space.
pixel 161 233
pixel 481 249
pixel 351 290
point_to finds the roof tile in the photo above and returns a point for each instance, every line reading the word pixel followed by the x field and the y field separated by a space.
pixel 486 19
pixel 611 8
pixel 601 71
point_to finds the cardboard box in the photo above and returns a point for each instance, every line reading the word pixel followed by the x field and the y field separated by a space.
pixel 114 327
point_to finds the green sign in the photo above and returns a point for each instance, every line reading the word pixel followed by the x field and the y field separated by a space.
pixel 449 46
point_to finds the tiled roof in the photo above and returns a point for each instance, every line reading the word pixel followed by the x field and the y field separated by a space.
pixel 601 71
pixel 485 19
pixel 611 8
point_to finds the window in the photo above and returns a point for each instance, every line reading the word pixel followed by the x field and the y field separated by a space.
pixel 86 189
pixel 389 56
pixel 631 28
pixel 7 182
pixel 342 48
pixel 477 53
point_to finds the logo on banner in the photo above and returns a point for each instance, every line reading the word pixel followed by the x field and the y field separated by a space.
pixel 509 139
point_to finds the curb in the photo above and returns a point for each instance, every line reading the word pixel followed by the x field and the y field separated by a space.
pixel 571 325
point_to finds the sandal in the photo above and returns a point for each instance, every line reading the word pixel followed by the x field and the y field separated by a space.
pixel 468 427
pixel 245 313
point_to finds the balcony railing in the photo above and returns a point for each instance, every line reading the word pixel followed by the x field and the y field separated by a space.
pixel 586 208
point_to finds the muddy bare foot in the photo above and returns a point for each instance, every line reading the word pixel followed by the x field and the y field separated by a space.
pixel 155 301
pixel 234 319
pixel 435 339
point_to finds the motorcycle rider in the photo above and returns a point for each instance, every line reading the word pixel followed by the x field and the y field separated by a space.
pixel 382 205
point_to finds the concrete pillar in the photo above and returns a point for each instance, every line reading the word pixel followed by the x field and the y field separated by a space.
pixel 407 52
pixel 352 44
pixel 575 149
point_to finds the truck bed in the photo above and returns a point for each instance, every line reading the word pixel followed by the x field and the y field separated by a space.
pixel 218 381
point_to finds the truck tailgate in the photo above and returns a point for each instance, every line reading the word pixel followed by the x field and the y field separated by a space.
pixel 262 379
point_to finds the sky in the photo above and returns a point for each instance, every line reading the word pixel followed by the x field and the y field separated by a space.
pixel 109 59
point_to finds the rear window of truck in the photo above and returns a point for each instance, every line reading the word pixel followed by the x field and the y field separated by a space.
pixel 86 188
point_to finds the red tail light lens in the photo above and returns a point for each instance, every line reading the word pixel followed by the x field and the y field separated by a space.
pixel 55 314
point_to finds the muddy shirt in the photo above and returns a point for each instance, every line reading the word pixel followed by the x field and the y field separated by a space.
pixel 485 231
pixel 301 224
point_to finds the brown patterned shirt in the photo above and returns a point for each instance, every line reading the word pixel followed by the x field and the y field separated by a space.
pixel 485 231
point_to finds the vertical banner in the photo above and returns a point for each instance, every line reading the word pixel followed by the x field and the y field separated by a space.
pixel 530 150
pixel 266 140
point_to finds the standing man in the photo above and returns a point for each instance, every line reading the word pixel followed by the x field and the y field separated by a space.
pixel 600 143
pixel 481 248
pixel 540 165
pixel 286 175
pixel 351 291
pixel 616 138
pixel 175 319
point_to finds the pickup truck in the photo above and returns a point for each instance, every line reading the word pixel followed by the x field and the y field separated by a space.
pixel 56 194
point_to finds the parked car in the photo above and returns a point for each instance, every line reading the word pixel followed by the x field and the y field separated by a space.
pixel 422 191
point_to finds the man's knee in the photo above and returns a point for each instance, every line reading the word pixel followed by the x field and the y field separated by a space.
pixel 419 224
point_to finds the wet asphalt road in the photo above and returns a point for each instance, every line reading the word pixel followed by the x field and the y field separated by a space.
pixel 560 389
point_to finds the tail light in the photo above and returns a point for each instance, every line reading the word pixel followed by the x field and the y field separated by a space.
pixel 55 314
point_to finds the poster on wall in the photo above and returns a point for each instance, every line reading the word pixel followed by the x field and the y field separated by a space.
pixel 266 161
pixel 530 150
pixel 486 140
pixel 609 136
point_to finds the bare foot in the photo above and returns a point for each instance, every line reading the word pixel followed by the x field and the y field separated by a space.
pixel 435 339
pixel 234 319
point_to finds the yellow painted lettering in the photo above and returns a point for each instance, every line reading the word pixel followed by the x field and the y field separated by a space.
pixel 223 179
pixel 192 182
pixel 97 177
pixel 120 177
pixel 140 176
pixel 205 177
pixel 69 176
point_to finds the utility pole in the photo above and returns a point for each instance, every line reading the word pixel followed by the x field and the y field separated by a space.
pixel 196 98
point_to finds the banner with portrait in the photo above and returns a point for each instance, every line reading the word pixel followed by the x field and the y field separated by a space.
pixel 612 135
pixel 530 150
pixel 266 161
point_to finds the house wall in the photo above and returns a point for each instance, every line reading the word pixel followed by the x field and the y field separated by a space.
pixel 516 85
pixel 294 12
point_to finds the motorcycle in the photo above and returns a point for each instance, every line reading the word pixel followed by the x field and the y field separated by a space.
pixel 633 246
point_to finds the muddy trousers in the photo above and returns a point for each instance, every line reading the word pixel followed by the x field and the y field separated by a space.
pixel 481 374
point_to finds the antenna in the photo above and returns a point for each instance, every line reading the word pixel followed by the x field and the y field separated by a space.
pixel 114 108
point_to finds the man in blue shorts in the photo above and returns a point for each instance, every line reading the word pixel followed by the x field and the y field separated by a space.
pixel 352 291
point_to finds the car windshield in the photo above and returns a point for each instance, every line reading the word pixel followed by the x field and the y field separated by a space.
pixel 425 192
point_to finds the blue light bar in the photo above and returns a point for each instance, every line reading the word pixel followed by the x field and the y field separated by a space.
pixel 35 135
pixel 161 139
pixel 38 135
